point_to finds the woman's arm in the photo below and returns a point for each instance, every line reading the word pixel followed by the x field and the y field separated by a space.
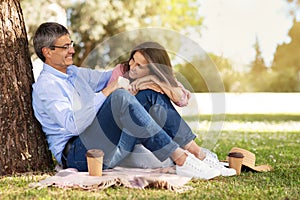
pixel 178 94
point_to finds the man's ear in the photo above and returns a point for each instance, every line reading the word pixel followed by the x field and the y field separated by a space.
pixel 46 52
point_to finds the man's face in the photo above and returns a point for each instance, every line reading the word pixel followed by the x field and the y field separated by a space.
pixel 59 57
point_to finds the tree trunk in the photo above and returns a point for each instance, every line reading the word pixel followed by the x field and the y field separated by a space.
pixel 22 142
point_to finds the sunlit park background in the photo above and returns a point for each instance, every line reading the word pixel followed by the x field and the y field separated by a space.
pixel 253 47
pixel 254 43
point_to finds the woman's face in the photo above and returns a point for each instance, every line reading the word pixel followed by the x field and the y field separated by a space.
pixel 138 66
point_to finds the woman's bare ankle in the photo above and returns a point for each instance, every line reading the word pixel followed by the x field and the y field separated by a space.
pixel 193 148
pixel 181 160
pixel 179 157
pixel 201 155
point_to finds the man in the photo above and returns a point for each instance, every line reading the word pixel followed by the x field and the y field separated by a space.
pixel 78 111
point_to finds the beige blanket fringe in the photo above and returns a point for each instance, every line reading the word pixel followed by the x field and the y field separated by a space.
pixel 163 178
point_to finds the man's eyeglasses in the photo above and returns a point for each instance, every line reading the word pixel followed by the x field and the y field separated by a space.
pixel 66 47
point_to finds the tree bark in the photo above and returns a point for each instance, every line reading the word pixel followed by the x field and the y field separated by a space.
pixel 22 142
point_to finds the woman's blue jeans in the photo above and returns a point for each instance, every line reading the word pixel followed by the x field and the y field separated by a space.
pixel 123 121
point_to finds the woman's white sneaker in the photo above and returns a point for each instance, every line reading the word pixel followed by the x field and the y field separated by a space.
pixel 195 168
pixel 214 163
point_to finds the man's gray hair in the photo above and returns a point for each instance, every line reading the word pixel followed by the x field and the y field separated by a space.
pixel 46 35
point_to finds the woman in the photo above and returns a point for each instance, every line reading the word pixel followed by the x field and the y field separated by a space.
pixel 149 67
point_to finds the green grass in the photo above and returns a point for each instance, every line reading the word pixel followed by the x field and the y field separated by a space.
pixel 247 117
pixel 275 139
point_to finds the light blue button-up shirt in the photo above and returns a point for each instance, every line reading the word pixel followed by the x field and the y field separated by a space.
pixel 66 104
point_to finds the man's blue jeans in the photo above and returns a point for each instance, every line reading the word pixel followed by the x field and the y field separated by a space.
pixel 125 120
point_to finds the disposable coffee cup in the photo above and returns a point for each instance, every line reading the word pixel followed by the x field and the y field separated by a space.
pixel 95 161
pixel 235 161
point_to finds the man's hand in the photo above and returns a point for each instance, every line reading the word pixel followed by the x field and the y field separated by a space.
pixel 116 84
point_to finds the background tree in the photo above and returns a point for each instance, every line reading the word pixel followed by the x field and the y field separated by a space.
pixel 23 145
pixel 258 65
pixel 285 56
pixel 256 79
pixel 93 21
pixel 228 74
pixel 286 62
pixel 205 73
pixel 36 12
pixel 191 78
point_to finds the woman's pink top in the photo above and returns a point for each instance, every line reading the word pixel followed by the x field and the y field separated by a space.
pixel 117 71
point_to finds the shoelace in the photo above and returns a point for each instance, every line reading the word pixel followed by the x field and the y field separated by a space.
pixel 193 163
pixel 213 163
pixel 209 153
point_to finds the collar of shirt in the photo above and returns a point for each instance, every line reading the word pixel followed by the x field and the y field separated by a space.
pixel 71 71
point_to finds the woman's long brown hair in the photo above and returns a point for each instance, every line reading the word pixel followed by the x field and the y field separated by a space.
pixel 158 61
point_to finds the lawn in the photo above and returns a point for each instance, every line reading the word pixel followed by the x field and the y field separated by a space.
pixel 275 139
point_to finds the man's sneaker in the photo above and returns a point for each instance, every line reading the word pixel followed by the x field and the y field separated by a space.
pixel 195 168
pixel 215 163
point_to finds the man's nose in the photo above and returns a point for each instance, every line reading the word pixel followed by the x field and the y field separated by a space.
pixel 71 50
